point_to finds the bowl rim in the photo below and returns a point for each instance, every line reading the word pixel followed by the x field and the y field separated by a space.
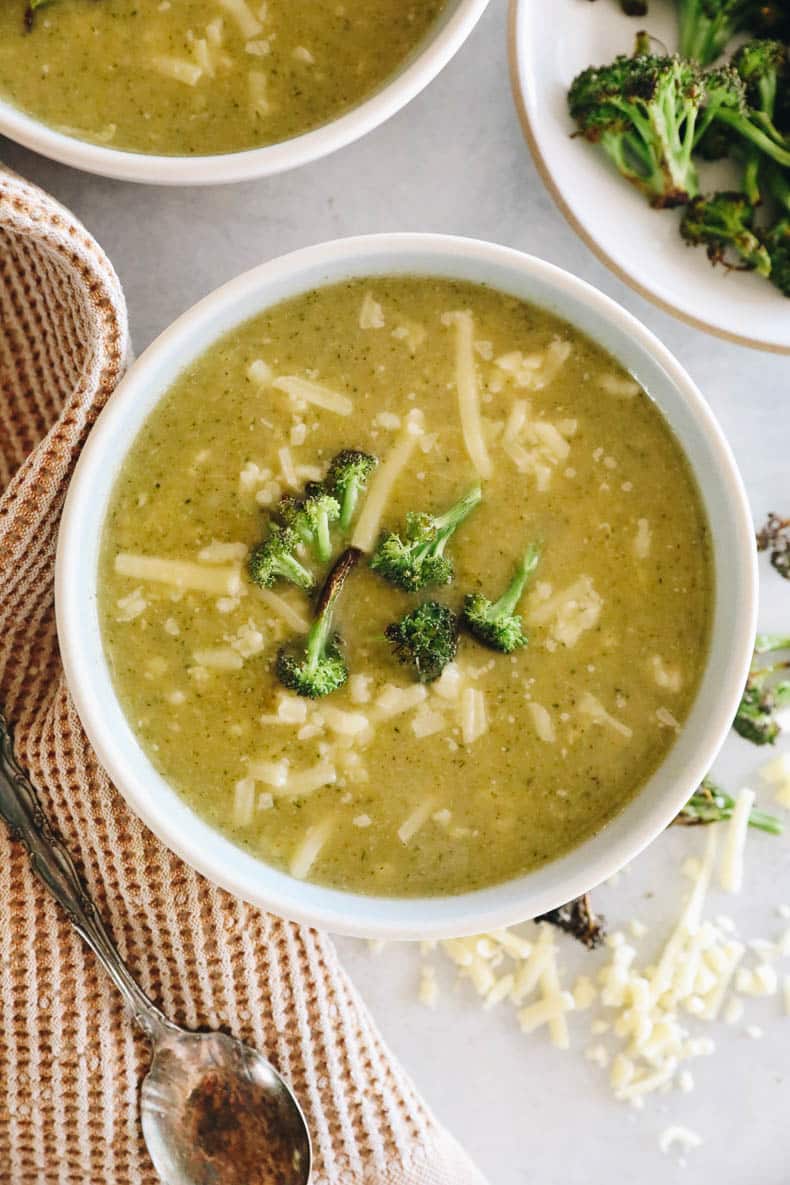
pixel 441 45
pixel 521 99
pixel 167 815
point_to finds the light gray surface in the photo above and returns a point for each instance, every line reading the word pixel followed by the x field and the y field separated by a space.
pixel 454 161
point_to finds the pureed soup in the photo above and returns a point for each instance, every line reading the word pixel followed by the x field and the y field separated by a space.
pixel 521 450
pixel 196 77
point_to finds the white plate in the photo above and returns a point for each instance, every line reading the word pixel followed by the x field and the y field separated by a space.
pixel 641 245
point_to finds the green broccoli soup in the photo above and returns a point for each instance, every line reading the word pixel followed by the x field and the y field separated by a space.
pixel 184 77
pixel 405 586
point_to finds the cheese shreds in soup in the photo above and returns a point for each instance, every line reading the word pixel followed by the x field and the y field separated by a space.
pixel 391 786
pixel 199 77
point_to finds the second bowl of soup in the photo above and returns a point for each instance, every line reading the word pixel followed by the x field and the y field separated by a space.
pixel 205 91
pixel 401 611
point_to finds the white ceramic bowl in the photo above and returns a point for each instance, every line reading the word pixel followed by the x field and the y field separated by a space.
pixel 642 246
pixel 735 603
pixel 442 43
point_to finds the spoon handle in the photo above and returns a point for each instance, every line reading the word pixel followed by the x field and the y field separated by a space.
pixel 52 864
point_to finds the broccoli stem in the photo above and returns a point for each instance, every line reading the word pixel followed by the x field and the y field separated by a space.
pixel 506 605
pixel 446 524
pixel 321 628
pixel 755 135
pixel 710 804
pixel 765 643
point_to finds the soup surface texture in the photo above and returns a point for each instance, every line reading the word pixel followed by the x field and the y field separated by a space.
pixel 196 77
pixel 391 786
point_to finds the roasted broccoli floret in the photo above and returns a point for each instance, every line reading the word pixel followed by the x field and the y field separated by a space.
pixel 707 26
pixel 577 918
pixel 764 694
pixel 496 623
pixel 777 236
pixel 726 104
pixel 275 559
pixel 417 558
pixel 643 110
pixel 761 64
pixel 426 639
pixel 311 518
pixel 774 538
pixel 348 475
pixel 723 223
pixel 316 667
pixel 710 804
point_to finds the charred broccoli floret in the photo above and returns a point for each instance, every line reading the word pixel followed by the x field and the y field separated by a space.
pixel 710 804
pixel 774 537
pixel 417 558
pixel 726 104
pixel 763 695
pixel 311 518
pixel 777 236
pixel 724 223
pixel 577 918
pixel 496 623
pixel 348 475
pixel 316 667
pixel 426 639
pixel 275 559
pixel 643 111
pixel 707 26
pixel 761 64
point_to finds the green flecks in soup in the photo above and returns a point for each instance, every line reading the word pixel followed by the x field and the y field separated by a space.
pixel 389 785
pixel 193 77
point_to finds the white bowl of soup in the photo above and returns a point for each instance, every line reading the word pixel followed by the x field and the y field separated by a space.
pixel 434 783
pixel 209 91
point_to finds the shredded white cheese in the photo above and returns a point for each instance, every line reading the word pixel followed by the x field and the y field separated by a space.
pixel 731 871
pixel 468 392
pixel 383 480
pixel 371 314
pixel 309 849
pixel 304 391
pixel 180 574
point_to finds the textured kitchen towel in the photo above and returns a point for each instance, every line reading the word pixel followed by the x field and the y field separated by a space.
pixel 70 1060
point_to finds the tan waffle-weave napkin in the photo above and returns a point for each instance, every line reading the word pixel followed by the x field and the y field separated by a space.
pixel 70 1059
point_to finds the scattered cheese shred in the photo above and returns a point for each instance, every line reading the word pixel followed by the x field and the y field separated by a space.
pixel 178 69
pixel 309 849
pixel 544 725
pixel 243 802
pixel 568 613
pixel 592 707
pixel 416 820
pixel 731 871
pixel 242 14
pixel 222 553
pixel 468 392
pixel 474 721
pixel 371 314
pixel 383 481
pixel 283 610
pixel 218 581
pixel 220 658
pixel 303 390
pixel 678 1135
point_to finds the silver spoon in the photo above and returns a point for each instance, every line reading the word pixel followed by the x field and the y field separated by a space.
pixel 214 1111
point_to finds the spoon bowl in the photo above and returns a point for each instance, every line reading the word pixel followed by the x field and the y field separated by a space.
pixel 213 1110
